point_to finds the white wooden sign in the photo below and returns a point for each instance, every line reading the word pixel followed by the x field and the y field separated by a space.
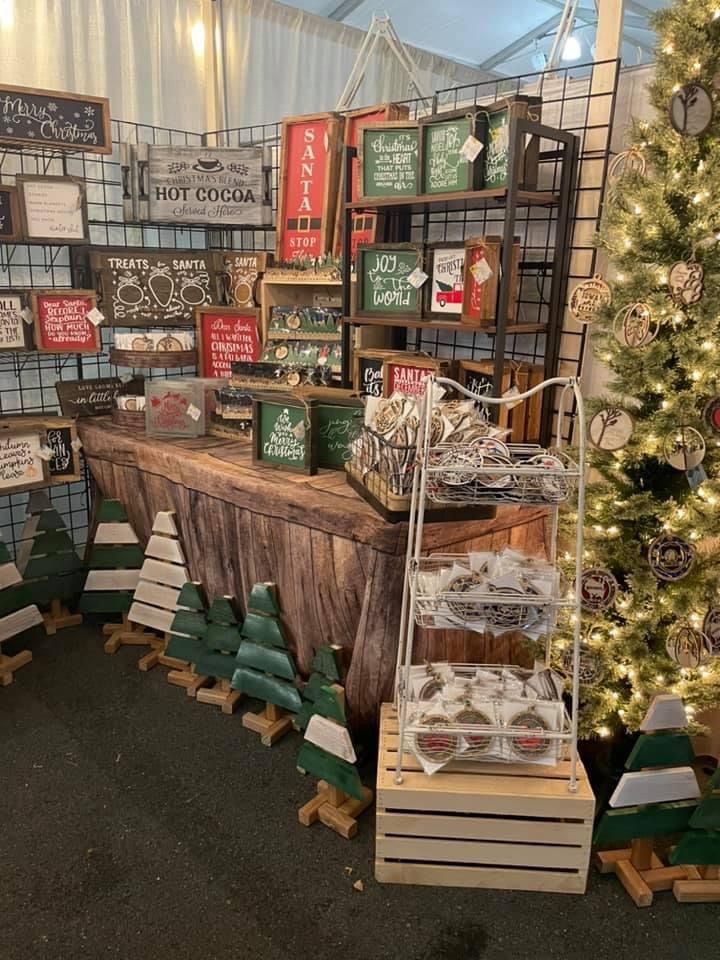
pixel 666 712
pixel 21 465
pixel 53 209
pixel 13 329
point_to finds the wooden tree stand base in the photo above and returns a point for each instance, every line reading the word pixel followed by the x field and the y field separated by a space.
pixel 126 634
pixel 188 679
pixel 271 724
pixel 335 809
pixel 704 888
pixel 8 666
pixel 642 872
pixel 59 617
pixel 158 656
pixel 220 695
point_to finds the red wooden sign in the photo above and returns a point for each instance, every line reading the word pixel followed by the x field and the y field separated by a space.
pixel 61 321
pixel 226 336
pixel 405 378
pixel 309 171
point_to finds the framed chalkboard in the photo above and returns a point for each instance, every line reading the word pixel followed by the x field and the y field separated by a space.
pixel 285 432
pixel 96 397
pixel 52 118
pixel 52 209
pixel 61 438
pixel 10 223
pixel 14 330
pixel 383 288
pixel 443 167
pixel 387 159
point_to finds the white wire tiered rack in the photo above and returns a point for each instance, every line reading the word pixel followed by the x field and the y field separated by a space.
pixel 470 474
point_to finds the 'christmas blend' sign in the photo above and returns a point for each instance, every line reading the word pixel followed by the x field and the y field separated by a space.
pixel 284 432
pixel 384 284
pixel 66 321
pixel 226 336
pixel 50 118
pixel 309 174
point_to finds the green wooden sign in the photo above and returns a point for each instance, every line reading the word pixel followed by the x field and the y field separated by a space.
pixel 383 285
pixel 497 150
pixel 284 432
pixel 444 169
pixel 388 160
pixel 338 424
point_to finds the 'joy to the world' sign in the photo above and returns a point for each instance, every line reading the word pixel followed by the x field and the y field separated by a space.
pixel 50 118
pixel 384 287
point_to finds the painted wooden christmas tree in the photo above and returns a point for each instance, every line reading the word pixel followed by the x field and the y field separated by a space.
pixel 656 796
pixel 265 667
pixel 47 559
pixel 217 662
pixel 700 847
pixel 155 601
pixel 185 645
pixel 17 614
pixel 328 753
pixel 326 670
pixel 115 560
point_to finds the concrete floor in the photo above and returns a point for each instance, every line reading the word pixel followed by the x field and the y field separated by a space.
pixel 138 824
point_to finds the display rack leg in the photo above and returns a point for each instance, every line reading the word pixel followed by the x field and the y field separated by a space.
pixel 335 809
pixel 8 666
pixel 271 724
pixel 59 616
pixel 220 695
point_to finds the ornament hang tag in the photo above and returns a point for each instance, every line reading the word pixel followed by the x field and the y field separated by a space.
pixel 95 316
pixel 27 315
pixel 685 279
pixel 634 326
pixel 610 429
pixel 417 278
pixel 588 298
pixel 598 589
pixel 470 150
pixel 481 271
pixel 687 646
pixel 299 431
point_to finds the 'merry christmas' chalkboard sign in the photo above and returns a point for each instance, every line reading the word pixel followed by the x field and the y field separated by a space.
pixel 51 118
pixel 388 159
pixel 284 432
pixel 383 285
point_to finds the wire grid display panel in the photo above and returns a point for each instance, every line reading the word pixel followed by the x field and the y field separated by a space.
pixel 571 103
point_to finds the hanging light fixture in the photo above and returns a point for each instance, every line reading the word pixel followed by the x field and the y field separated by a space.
pixel 572 49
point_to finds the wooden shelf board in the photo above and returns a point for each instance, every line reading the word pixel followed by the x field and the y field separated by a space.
pixel 311 280
pixel 510 330
pixel 458 200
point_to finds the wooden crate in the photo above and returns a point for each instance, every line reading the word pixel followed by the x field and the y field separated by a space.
pixel 499 826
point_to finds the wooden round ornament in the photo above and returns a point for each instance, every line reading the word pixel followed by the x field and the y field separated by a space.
pixel 293 321
pixel 687 646
pixel 436 747
pixel 711 629
pixel 691 110
pixel 598 589
pixel 634 325
pixel 711 415
pixel 685 279
pixel 670 557
pixel 525 745
pixel 590 666
pixel 464 582
pixel 588 297
pixel 477 744
pixel 628 161
pixel 610 428
pixel 684 448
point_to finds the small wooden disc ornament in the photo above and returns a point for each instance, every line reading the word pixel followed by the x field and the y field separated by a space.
pixel 525 745
pixel 685 279
pixel 590 667
pixel 598 589
pixel 687 646
pixel 684 448
pixel 436 747
pixel 477 744
pixel 610 428
pixel 670 557
pixel 711 629
pixel 634 326
pixel 588 297
pixel 711 414
pixel 691 110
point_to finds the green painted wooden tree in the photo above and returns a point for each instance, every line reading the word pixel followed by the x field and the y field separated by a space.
pixel 265 668
pixel 327 751
pixel 18 613
pixel 114 566
pixel 700 845
pixel 186 642
pixel 46 557
pixel 326 670
pixel 217 660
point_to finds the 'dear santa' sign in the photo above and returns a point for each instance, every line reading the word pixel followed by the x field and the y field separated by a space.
pixel 309 172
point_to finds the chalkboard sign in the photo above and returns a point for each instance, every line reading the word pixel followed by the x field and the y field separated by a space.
pixel 284 432
pixel 14 331
pixel 383 286
pixel 338 423
pixel 51 118
pixel 141 288
pixel 62 321
pixel 388 159
pixel 444 168
pixel 53 209
pixel 226 336
pixel 10 224
pixel 496 154
pixel 21 464
pixel 64 466
pixel 446 269
pixel 220 186
pixel 94 398
pixel 241 273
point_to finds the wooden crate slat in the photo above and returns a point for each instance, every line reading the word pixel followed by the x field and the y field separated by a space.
pixel 562 833
pixel 485 853
pixel 493 878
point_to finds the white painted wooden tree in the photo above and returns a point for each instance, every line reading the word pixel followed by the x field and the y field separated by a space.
pixel 17 614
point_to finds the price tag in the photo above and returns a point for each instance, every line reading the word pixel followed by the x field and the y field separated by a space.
pixel 417 278
pixel 46 453
pixel 511 392
pixel 471 148
pixel 126 377
pixel 481 271
pixel 76 444
pixel 95 316
pixel 27 316
pixel 193 412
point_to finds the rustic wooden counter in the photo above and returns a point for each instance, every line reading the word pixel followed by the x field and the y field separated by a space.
pixel 337 564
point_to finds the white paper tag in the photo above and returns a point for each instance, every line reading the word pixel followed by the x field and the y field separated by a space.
pixel 511 392
pixel 76 444
pixel 27 316
pixel 471 148
pixel 46 453
pixel 417 278
pixel 126 377
pixel 481 271
pixel 95 317
pixel 193 412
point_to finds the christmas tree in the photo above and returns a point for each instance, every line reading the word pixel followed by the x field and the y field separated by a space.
pixel 47 559
pixel 217 661
pixel 115 561
pixel 265 667
pixel 17 613
pixel 326 667
pixel 188 628
pixel 652 517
